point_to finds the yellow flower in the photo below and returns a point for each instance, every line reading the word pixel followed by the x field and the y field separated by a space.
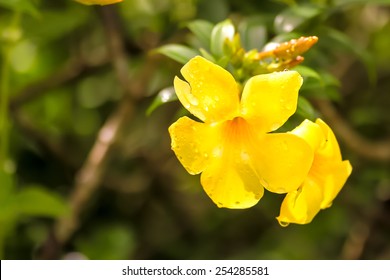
pixel 98 2
pixel 326 177
pixel 231 145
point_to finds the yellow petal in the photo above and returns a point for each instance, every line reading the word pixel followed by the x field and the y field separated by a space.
pixel 301 206
pixel 335 181
pixel 269 100
pixel 192 143
pixel 330 149
pixel 231 182
pixel 211 93
pixel 230 178
pixel 98 2
pixel 311 133
pixel 283 161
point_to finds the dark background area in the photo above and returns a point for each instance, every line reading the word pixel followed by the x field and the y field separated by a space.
pixel 81 79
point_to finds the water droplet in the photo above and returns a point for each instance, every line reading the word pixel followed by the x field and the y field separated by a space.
pixel 187 106
pixel 244 156
pixel 283 224
pixel 193 100
pixel 284 146
pixel 217 152
pixel 206 155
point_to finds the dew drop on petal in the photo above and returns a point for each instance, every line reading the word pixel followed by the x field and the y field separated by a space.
pixel 217 152
pixel 244 156
pixel 283 224
pixel 193 100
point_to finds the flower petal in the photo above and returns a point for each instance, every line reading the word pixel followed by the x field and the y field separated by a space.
pixel 269 100
pixel 230 178
pixel 192 143
pixel 283 162
pixel 331 149
pixel 232 183
pixel 211 94
pixel 335 181
pixel 311 133
pixel 301 206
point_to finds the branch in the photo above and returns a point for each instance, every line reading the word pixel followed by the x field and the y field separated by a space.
pixel 91 174
pixel 379 151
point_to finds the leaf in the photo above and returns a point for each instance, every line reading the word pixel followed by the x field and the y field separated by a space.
pixel 253 33
pixel 202 30
pixel 207 55
pixel 6 185
pixel 294 17
pixel 222 31
pixel 36 201
pixel 305 109
pixel 336 39
pixel 307 72
pixel 179 53
pixel 164 96
pixel 67 20
pixel 24 6
pixel 107 242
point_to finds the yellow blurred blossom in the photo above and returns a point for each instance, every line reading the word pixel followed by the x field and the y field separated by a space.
pixel 231 145
pixel 98 2
pixel 326 177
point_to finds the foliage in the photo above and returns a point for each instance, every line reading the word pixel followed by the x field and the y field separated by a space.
pixel 79 112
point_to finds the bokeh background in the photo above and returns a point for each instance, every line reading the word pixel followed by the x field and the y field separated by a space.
pixel 91 175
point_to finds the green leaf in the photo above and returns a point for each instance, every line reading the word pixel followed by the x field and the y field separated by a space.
pixel 207 55
pixel 24 6
pixel 305 109
pixel 107 242
pixel 253 33
pixel 294 17
pixel 222 31
pixel 307 72
pixel 164 96
pixel 202 30
pixel 66 21
pixel 37 201
pixel 6 185
pixel 338 39
pixel 179 53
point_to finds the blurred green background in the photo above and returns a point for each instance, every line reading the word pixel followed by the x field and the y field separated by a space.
pixel 80 80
